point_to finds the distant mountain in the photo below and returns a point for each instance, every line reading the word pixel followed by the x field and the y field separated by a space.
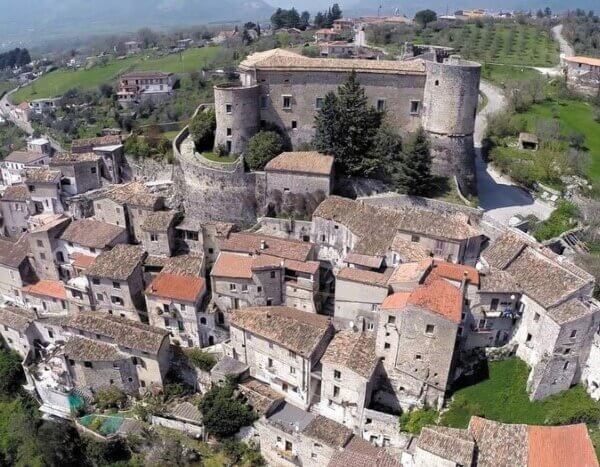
pixel 40 19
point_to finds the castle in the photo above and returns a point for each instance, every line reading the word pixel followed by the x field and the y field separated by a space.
pixel 285 89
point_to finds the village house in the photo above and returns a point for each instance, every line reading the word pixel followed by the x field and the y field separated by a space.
pixel 158 233
pixel 46 297
pixel 17 328
pixel 348 367
pixel 109 148
pixel 343 24
pixel 21 112
pixel 327 35
pixel 583 74
pixel 140 85
pixel 44 241
pixel 301 173
pixel 105 350
pixel 337 49
pixel 16 208
pixel 44 105
pixel 256 270
pixel 15 163
pixel 558 316
pixel 133 47
pixel 15 268
pixel 44 186
pixel 86 238
pixel 282 346
pixel 116 280
pixel 176 302
pixel 127 205
pixel 342 226
pixel 193 236
pixel 484 443
pixel 80 172
pixel 416 339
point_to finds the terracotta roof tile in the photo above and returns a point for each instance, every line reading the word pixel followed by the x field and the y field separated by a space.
pixel 261 397
pixel 47 288
pixel 395 301
pixel 361 453
pixel 439 296
pixel 455 272
pixel 506 248
pixel 24 157
pixel 17 318
pixel 177 287
pixel 452 444
pixel 90 143
pixel 363 276
pixel 68 158
pixel 499 444
pixel 82 261
pixel 325 430
pixel 353 350
pixel 12 254
pixel 496 280
pixel 233 266
pixel 559 446
pixel 296 330
pixel 368 261
pixel 118 263
pixel 80 348
pixel 185 265
pixel 92 233
pixel 570 310
pixel 159 221
pixel 409 272
pixel 274 246
pixel 134 194
pixel 309 162
pixel 41 175
pixel 125 332
pixel 16 193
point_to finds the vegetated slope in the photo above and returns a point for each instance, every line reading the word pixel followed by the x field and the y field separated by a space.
pixel 61 18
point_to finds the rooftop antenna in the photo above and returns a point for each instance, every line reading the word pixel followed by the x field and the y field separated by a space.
pixel 379 10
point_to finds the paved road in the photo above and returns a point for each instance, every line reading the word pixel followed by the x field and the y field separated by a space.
pixel 498 196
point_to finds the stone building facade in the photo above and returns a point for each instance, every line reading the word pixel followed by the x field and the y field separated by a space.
pixel 16 207
pixel 583 75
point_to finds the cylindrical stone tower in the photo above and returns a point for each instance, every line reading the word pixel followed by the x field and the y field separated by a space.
pixel 238 116
pixel 449 110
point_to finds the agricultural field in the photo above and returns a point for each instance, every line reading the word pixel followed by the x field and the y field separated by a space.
pixel 58 82
pixel 505 42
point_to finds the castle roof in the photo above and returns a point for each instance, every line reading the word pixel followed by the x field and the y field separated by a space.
pixel 283 60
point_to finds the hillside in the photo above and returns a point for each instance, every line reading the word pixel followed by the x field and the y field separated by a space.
pixel 38 19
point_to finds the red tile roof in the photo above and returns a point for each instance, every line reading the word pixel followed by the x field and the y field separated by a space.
pixel 82 261
pixel 46 288
pixel 454 272
pixel 237 266
pixel 557 446
pixel 274 246
pixel 177 287
pixel 395 301
pixel 364 276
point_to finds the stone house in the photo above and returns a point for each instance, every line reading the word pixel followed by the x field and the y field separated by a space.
pixel 108 350
pixel 116 281
pixel 80 172
pixel 15 268
pixel 140 85
pixel 484 443
pixel 44 240
pixel 46 297
pixel 358 294
pixel 109 148
pixel 361 452
pixel 348 369
pixel 558 316
pixel 79 294
pixel 327 35
pixel 290 436
pixel 282 347
pixel 192 236
pixel 44 189
pixel 17 329
pixel 416 340
pixel 175 302
pixel 16 207
pixel 158 233
pixel 14 164
pixel 86 238
pixel 583 74
pixel 301 173
pixel 342 226
pixel 127 205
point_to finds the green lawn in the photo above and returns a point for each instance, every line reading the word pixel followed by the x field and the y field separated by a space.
pixel 58 82
pixel 503 397
pixel 573 116
pixel 211 156
pixel 502 74
pixel 5 86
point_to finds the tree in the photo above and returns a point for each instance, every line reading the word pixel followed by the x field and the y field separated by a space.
pixel 11 373
pixel 263 147
pixel 424 17
pixel 202 128
pixel 304 20
pixel 414 173
pixel 319 21
pixel 110 397
pixel 59 444
pixel 334 13
pixel 346 126
pixel 147 37
pixel 201 359
pixel 386 153
pixel 223 415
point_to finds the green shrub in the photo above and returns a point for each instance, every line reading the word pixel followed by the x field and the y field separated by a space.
pixel 263 147
pixel 563 218
pixel 414 421
pixel 110 397
pixel 201 359
pixel 11 373
pixel 202 129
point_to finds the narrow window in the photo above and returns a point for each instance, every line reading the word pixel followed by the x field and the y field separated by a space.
pixel 380 105
pixel 429 328
pixel 319 103
pixel 294 124
pixel 287 102
pixel 414 107
pixel 228 108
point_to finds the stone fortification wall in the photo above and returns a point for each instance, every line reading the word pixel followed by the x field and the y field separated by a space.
pixel 147 170
pixel 238 116
pixel 454 156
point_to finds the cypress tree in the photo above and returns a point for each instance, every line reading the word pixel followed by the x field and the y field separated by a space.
pixel 414 172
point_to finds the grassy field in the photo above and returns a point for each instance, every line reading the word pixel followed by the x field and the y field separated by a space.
pixel 503 397
pixel 574 116
pixel 58 82
pixel 502 74
pixel 5 86
pixel 500 42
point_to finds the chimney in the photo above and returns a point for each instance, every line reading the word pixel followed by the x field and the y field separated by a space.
pixel 263 245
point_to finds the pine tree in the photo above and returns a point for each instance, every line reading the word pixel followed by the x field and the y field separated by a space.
pixel 414 173
pixel 346 127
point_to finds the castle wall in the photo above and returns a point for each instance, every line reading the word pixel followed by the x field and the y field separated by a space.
pixel 304 88
pixel 454 156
